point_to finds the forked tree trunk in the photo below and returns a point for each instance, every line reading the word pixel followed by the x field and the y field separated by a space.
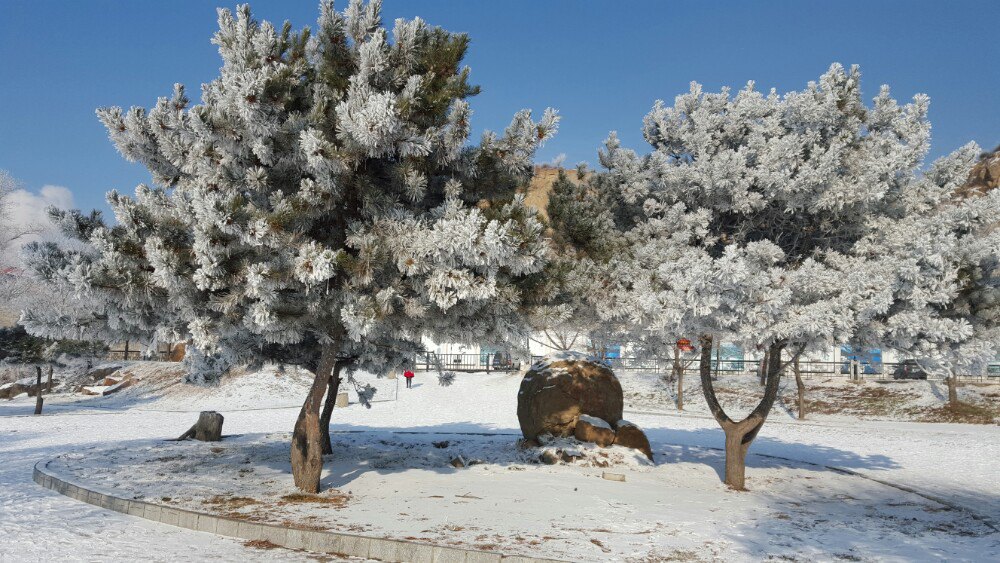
pixel 762 369
pixel 307 440
pixel 38 390
pixel 952 390
pixel 48 384
pixel 801 389
pixel 679 372
pixel 739 435
pixel 331 400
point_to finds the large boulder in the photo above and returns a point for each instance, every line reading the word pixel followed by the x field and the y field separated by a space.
pixel 557 390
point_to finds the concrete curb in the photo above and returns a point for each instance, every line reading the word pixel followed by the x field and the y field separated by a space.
pixel 294 538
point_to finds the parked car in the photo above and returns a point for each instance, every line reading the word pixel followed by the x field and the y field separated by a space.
pixel 909 369
pixel 502 361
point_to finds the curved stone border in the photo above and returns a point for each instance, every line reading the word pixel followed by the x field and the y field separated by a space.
pixel 293 538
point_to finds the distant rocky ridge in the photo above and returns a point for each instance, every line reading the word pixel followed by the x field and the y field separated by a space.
pixel 985 175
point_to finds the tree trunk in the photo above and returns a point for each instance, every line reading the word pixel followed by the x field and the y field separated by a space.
pixel 331 401
pixel 718 362
pixel 762 369
pixel 307 440
pixel 952 390
pixel 801 389
pixel 739 435
pixel 38 390
pixel 207 429
pixel 48 384
pixel 679 372
pixel 736 460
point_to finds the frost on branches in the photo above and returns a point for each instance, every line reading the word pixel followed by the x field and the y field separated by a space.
pixel 321 206
pixel 784 222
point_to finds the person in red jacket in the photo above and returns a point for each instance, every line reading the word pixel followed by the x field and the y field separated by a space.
pixel 409 378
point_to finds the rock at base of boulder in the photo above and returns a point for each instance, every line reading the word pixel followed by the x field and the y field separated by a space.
pixel 570 456
pixel 594 430
pixel 549 457
pixel 524 444
pixel 631 436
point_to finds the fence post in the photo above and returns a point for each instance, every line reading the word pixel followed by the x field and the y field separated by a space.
pixel 487 363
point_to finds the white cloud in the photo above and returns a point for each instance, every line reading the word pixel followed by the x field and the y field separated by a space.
pixel 27 211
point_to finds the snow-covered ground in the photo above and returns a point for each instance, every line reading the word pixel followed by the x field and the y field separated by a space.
pixel 402 486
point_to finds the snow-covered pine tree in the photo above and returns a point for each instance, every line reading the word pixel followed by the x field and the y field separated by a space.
pixel 585 235
pixel 752 219
pixel 321 206
pixel 945 280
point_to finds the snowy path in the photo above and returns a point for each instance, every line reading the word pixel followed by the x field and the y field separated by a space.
pixel 955 462
pixel 41 525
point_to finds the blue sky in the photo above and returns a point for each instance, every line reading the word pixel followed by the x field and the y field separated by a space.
pixel 602 64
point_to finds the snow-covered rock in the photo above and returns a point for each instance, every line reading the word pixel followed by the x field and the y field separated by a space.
pixel 631 436
pixel 595 430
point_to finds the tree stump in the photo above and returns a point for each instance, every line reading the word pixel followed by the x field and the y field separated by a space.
pixel 38 391
pixel 207 429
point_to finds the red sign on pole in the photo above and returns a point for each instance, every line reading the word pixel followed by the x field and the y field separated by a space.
pixel 684 345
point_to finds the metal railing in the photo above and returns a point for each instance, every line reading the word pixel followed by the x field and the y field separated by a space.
pixel 136 355
pixel 431 361
pixel 879 371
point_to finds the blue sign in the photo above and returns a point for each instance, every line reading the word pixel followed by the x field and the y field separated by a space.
pixel 870 359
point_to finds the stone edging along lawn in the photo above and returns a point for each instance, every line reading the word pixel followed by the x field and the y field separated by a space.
pixel 294 538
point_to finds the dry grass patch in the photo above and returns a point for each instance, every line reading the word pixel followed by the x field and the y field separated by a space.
pixel 260 544
pixel 963 412
pixel 230 503
pixel 856 399
pixel 333 499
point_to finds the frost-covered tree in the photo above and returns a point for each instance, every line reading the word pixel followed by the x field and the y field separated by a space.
pixel 753 219
pixel 945 278
pixel 11 230
pixel 13 285
pixel 320 207
pixel 584 237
